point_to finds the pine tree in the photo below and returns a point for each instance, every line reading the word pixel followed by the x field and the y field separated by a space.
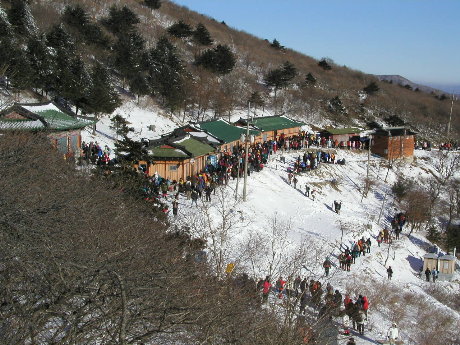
pixel 336 106
pixel 453 236
pixel 372 88
pixel 102 99
pixel 202 36
pixel 167 73
pixel 129 53
pixel 41 62
pixel 180 30
pixel 256 99
pixel 20 70
pixel 127 150
pixel 121 21
pixel 21 18
pixel 219 60
pixel 75 16
pixel 310 80
pixel 139 85
pixel 280 77
pixel 59 39
pixel 289 71
pixel 324 64
pixel 153 4
pixel 6 29
pixel 78 18
pixel 74 81
pixel 276 45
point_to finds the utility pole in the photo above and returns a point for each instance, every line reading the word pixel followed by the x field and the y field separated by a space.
pixel 450 116
pixel 366 184
pixel 246 149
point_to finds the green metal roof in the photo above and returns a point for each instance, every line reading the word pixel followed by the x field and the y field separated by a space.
pixel 45 116
pixel 195 147
pixel 342 130
pixel 57 120
pixel 273 123
pixel 225 131
pixel 165 151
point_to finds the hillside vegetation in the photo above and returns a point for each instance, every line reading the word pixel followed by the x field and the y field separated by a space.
pixel 191 65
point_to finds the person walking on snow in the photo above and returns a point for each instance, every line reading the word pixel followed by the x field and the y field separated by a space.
pixel 390 272
pixel 427 274
pixel 327 265
pixel 434 274
pixel 266 289
pixel 307 190
pixel 393 334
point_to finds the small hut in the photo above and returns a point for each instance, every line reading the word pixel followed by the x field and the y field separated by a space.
pixel 446 267
pixel 430 261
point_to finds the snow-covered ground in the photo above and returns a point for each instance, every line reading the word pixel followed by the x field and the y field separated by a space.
pixel 279 231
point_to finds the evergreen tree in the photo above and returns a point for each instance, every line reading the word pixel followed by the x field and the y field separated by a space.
pixel 276 44
pixel 372 88
pixel 77 17
pixel 219 60
pixel 129 53
pixel 121 21
pixel 289 71
pixel 280 77
pixel 453 236
pixel 256 99
pixel 336 106
pixel 180 29
pixel 167 73
pixel 21 18
pixel 202 36
pixel 310 80
pixel 102 95
pixel 6 29
pixel 153 4
pixel 139 85
pixel 60 39
pixel 41 62
pixel 127 150
pixel 74 81
pixel 20 71
pixel 324 64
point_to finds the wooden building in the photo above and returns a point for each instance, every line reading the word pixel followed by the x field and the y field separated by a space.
pixel 444 264
pixel 446 267
pixel 341 134
pixel 176 158
pixel 229 134
pixel 393 142
pixel 272 127
pixel 62 127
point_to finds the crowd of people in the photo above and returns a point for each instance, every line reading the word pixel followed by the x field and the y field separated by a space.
pixel 96 154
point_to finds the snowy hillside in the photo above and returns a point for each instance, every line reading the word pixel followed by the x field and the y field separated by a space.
pixel 279 231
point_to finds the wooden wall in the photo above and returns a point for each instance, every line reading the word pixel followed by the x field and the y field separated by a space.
pixel 393 147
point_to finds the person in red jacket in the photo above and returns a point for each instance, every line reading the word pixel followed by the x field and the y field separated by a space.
pixel 266 289
pixel 365 305
pixel 347 300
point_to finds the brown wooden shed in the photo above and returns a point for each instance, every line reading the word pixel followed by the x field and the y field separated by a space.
pixel 393 142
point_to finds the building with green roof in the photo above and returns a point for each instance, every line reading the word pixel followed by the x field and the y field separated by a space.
pixel 228 133
pixel 177 158
pixel 61 126
pixel 271 127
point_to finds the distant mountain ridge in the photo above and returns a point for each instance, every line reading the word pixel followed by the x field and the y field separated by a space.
pixel 400 80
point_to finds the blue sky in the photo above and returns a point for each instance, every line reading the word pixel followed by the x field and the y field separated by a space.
pixel 418 39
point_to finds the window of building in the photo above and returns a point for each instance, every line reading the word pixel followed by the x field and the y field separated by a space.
pixel 173 168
